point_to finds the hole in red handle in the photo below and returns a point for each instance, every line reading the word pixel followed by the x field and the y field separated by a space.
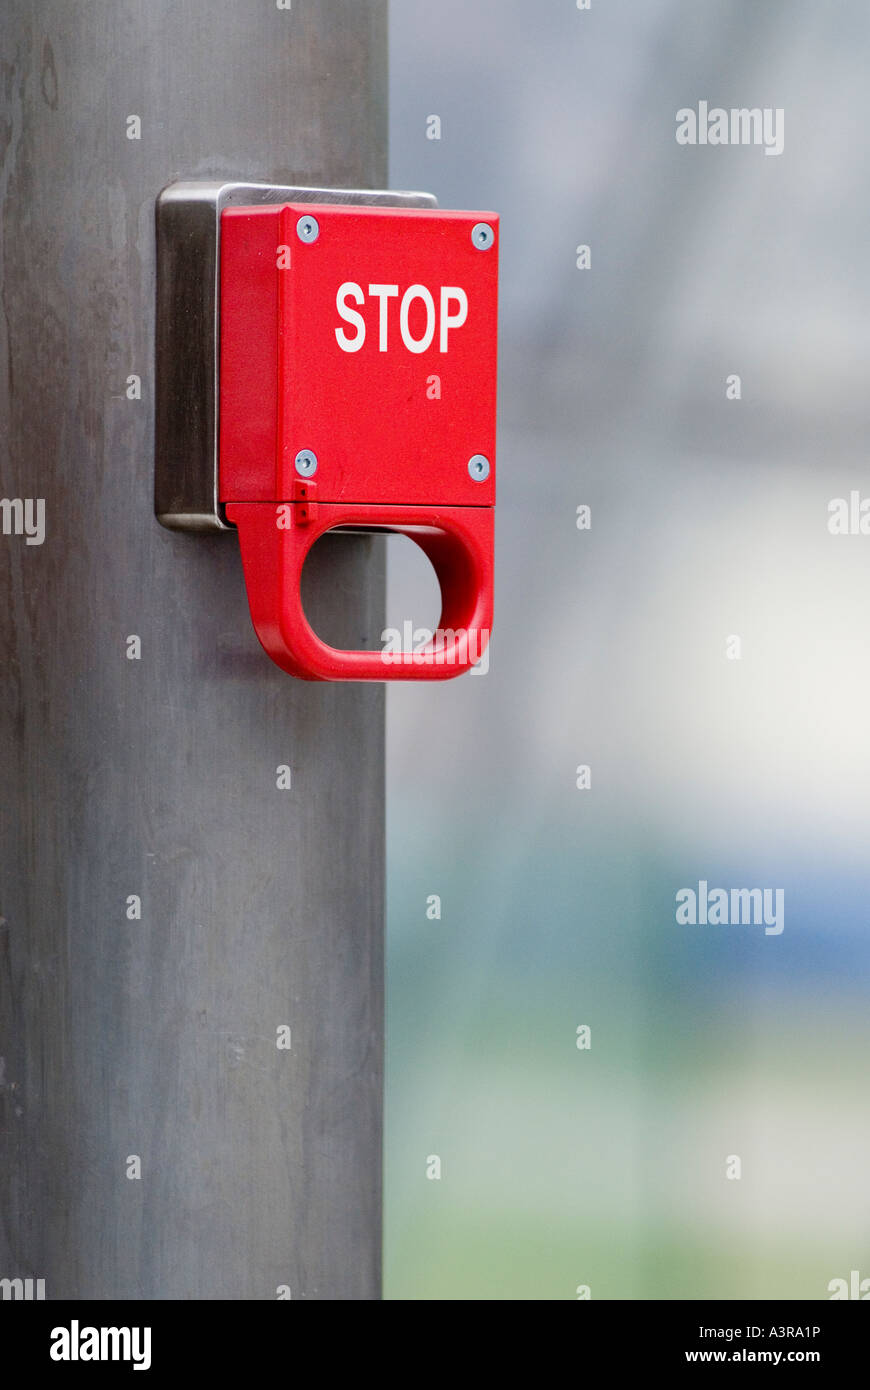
pixel 413 606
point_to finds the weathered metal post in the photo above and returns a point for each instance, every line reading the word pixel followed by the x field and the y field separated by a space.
pixel 191 843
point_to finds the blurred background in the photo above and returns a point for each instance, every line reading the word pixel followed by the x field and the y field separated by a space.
pixel 607 1167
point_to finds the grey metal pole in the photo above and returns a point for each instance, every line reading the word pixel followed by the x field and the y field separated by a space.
pixel 190 948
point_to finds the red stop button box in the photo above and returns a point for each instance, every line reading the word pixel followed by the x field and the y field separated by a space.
pixel 358 389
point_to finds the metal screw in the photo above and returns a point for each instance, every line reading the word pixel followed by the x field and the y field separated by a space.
pixel 478 467
pixel 306 463
pixel 308 229
pixel 482 236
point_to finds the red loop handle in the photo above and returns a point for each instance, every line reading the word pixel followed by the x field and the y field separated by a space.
pixel 275 539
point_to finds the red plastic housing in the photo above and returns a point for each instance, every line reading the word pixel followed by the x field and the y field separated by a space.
pixel 373 348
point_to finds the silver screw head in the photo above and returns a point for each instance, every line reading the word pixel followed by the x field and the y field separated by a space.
pixel 478 467
pixel 482 236
pixel 306 463
pixel 308 229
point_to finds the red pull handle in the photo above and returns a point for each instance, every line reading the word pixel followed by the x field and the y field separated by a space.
pixel 275 540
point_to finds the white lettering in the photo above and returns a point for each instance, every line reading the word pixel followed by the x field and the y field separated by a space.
pixel 350 290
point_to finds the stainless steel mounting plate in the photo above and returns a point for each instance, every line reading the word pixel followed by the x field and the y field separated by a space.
pixel 186 492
